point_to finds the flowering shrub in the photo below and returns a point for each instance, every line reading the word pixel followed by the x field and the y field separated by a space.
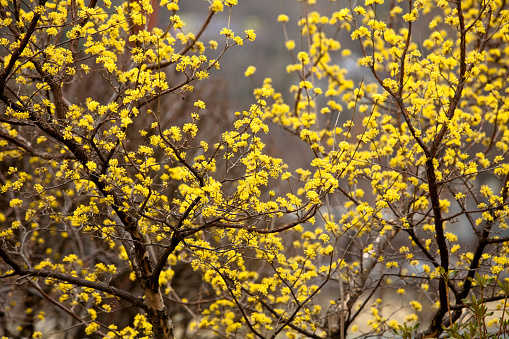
pixel 126 212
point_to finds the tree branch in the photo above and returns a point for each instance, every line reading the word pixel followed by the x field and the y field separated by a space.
pixel 136 301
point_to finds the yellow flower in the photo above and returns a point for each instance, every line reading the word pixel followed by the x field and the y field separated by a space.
pixel 15 202
pixel 391 264
pixel 303 57
pixel 226 32
pixel 283 18
pixel 251 35
pixel 217 6
pixel 416 305
pixel 199 104
pixel 411 317
pixel 393 323
pixel 250 71
pixel 92 166
pixel 213 44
